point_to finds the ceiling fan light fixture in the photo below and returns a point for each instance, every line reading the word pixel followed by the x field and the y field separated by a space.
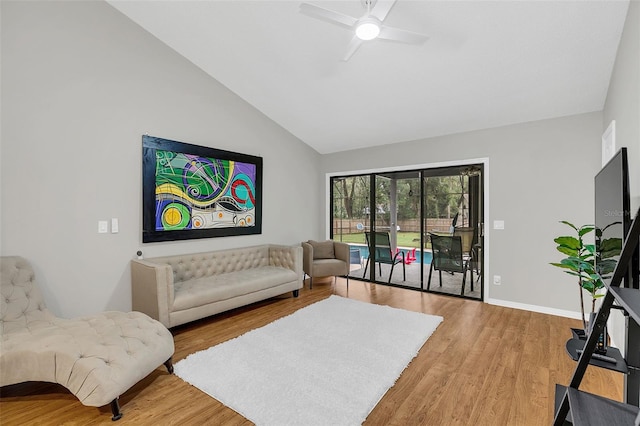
pixel 367 29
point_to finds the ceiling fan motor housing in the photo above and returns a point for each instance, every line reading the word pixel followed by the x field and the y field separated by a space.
pixel 368 28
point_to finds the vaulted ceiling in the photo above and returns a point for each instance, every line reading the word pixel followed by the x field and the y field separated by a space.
pixel 485 64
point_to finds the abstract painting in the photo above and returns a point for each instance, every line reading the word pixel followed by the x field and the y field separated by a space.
pixel 192 191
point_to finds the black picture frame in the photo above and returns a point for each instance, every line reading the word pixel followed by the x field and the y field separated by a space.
pixel 191 191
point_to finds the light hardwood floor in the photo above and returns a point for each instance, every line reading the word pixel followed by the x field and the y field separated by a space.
pixel 484 365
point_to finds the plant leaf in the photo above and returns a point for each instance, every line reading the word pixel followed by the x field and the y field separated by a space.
pixel 561 265
pixel 609 254
pixel 604 267
pixel 611 224
pixel 578 262
pixel 611 244
pixel 568 241
pixel 573 262
pixel 568 251
pixel 570 224
pixel 585 230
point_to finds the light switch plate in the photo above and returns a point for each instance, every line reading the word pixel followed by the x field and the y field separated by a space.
pixel 114 225
pixel 103 227
pixel 498 224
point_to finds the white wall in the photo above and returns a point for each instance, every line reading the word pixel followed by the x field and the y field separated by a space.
pixel 539 173
pixel 623 98
pixel 81 83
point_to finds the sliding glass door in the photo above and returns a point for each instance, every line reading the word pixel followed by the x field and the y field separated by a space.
pixel 397 228
pixel 388 220
pixel 453 211
pixel 351 208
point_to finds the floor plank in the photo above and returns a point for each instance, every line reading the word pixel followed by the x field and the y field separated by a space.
pixel 484 365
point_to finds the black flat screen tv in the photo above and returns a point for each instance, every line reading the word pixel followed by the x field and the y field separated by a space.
pixel 613 218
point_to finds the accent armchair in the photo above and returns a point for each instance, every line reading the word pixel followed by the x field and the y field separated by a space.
pixel 325 259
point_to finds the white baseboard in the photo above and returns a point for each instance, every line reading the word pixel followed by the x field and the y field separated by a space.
pixel 535 308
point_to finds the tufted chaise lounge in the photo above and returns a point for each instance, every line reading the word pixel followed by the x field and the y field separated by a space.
pixel 182 288
pixel 97 357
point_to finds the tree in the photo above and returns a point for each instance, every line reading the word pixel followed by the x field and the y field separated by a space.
pixel 443 195
pixel 353 194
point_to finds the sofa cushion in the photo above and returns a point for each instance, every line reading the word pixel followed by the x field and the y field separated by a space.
pixel 327 267
pixel 322 249
pixel 198 265
pixel 205 290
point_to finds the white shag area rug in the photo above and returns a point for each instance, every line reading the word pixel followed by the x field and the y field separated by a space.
pixel 329 363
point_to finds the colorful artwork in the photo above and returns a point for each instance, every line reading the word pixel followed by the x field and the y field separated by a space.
pixel 194 192
pixel 201 192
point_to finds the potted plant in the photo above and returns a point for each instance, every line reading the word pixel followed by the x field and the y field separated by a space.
pixel 581 263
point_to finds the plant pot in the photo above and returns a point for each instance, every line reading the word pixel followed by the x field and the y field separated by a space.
pixel 579 333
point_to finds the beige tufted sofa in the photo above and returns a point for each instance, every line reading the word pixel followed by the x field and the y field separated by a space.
pixel 183 288
pixel 97 357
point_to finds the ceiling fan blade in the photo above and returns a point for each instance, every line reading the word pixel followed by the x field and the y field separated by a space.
pixel 351 49
pixel 327 15
pixel 404 36
pixel 382 8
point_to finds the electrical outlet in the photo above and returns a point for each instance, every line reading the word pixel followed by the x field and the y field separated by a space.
pixel 497 280
pixel 114 225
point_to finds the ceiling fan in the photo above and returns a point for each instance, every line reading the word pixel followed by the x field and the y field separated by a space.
pixel 368 27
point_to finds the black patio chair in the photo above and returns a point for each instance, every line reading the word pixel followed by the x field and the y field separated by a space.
pixel 469 255
pixel 448 256
pixel 384 254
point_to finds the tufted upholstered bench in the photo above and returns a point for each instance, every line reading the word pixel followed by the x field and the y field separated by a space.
pixel 97 357
pixel 183 288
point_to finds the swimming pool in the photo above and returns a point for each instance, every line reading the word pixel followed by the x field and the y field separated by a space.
pixel 361 252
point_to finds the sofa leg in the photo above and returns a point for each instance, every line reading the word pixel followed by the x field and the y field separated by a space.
pixel 296 293
pixel 310 282
pixel 115 409
pixel 169 364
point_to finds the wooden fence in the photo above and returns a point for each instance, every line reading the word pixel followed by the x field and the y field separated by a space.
pixel 355 226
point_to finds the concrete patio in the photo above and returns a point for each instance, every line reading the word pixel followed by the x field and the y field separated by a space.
pixel 451 283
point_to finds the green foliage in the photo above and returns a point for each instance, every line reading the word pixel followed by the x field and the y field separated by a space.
pixel 590 263
pixel 351 197
pixel 442 196
pixel 580 262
